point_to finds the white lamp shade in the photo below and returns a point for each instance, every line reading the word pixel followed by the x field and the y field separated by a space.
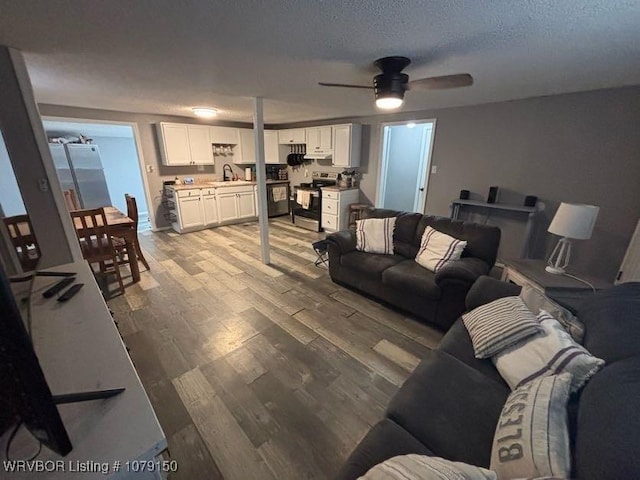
pixel 574 220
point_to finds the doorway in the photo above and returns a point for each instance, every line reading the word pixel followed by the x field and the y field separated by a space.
pixel 405 161
pixel 119 156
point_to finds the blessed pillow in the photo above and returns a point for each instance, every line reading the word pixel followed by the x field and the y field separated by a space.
pixel 375 235
pixel 535 301
pixel 550 353
pixel 437 249
pixel 422 467
pixel 532 437
pixel 498 325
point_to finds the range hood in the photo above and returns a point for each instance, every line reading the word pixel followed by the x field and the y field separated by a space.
pixel 319 155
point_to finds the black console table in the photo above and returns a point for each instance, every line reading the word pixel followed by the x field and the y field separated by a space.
pixel 530 211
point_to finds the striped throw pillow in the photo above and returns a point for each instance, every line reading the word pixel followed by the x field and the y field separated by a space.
pixel 437 249
pixel 498 325
pixel 375 235
pixel 532 437
pixel 551 353
pixel 423 467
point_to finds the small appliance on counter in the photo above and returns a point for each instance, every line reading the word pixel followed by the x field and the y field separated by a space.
pixel 277 173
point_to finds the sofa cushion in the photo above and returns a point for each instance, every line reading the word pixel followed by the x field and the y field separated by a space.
pixel 385 440
pixel 370 263
pixel 457 343
pixel 482 240
pixel 405 232
pixel 451 408
pixel 552 352
pixel 423 467
pixel 375 235
pixel 608 423
pixel 532 436
pixel 411 277
pixel 498 325
pixel 612 322
pixel 438 249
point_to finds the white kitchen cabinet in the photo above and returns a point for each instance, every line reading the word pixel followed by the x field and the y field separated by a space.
pixel 292 136
pixel 227 207
pixel 335 208
pixel 347 141
pixel 190 212
pixel 319 139
pixel 209 207
pixel 236 203
pixel 246 204
pixel 273 152
pixel 224 135
pixel 184 144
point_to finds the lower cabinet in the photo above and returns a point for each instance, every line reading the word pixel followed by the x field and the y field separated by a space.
pixel 196 209
pixel 335 207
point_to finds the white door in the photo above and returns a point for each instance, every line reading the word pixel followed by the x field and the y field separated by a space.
pixel 200 145
pixel 246 205
pixel 210 209
pixel 190 212
pixel 271 147
pixel 341 146
pixel 227 207
pixel 325 137
pixel 247 147
pixel 176 144
pixel 313 138
pixel 405 163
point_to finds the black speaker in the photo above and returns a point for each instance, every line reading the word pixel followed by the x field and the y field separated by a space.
pixel 493 195
pixel 464 194
pixel 530 201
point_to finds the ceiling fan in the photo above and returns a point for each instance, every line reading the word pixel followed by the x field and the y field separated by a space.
pixel 390 85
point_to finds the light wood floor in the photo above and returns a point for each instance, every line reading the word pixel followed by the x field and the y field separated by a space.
pixel 260 372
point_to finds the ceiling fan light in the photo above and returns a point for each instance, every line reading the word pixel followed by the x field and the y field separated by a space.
pixel 388 103
pixel 205 112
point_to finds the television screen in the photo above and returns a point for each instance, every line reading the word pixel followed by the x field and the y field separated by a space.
pixel 24 391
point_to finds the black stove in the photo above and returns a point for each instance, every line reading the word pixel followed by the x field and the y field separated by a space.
pixel 306 201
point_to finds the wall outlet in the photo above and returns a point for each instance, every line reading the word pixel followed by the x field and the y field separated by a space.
pixel 149 168
pixel 434 169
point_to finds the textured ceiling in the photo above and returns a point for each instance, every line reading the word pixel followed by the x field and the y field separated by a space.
pixel 165 56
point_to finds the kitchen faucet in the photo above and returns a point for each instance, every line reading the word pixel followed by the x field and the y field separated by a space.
pixel 224 172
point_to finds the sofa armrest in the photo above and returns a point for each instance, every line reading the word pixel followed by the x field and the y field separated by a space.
pixel 487 289
pixel 345 240
pixel 466 269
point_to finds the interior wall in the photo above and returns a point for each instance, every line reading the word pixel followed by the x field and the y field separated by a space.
pixel 580 147
pixel 146 124
pixel 122 171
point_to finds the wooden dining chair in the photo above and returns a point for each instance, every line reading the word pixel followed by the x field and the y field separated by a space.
pixel 24 241
pixel 132 213
pixel 96 242
pixel 71 200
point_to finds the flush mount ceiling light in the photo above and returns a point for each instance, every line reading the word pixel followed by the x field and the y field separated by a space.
pixel 205 112
pixel 411 124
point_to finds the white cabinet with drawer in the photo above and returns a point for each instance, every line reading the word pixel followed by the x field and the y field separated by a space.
pixel 335 207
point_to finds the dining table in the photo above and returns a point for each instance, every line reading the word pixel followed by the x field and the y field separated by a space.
pixel 120 225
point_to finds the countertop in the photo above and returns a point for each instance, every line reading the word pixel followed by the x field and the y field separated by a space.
pixel 230 183
pixel 339 189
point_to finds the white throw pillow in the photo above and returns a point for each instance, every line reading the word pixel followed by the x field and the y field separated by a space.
pixel 437 249
pixel 550 353
pixel 497 325
pixel 532 435
pixel 375 235
pixel 423 467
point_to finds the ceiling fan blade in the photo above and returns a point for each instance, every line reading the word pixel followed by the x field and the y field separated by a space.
pixel 443 82
pixel 324 84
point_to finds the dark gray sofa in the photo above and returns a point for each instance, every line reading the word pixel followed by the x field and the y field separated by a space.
pixel 398 280
pixel 450 404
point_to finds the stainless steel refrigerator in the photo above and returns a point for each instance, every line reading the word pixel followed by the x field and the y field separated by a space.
pixel 79 168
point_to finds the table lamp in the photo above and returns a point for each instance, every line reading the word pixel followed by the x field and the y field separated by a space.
pixel 571 221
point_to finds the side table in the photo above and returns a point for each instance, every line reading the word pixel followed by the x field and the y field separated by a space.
pixel 561 289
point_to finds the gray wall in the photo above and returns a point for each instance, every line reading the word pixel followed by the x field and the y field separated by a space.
pixel 581 147
pixel 150 147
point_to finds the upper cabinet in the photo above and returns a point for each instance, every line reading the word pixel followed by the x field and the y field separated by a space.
pixel 319 139
pixel 291 136
pixel 224 135
pixel 273 152
pixel 347 141
pixel 183 144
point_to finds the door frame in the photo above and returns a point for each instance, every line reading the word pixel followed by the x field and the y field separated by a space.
pixel 138 145
pixel 384 167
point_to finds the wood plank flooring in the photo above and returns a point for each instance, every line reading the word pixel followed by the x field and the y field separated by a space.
pixel 255 371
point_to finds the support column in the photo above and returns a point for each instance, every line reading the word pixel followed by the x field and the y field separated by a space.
pixel 33 166
pixel 261 177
